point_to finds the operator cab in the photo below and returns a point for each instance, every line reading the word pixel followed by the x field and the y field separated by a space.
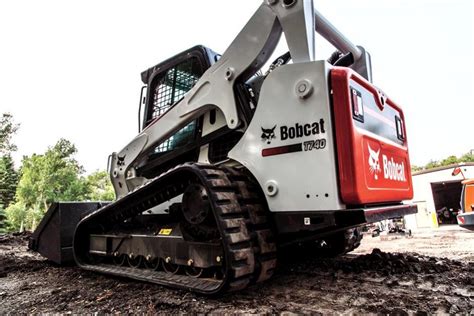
pixel 165 85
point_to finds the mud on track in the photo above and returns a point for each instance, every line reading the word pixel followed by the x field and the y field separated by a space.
pixel 369 281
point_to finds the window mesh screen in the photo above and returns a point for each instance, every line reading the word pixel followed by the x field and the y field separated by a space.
pixel 173 86
pixel 181 138
pixel 170 89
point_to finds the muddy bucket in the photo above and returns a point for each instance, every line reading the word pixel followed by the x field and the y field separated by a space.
pixel 53 237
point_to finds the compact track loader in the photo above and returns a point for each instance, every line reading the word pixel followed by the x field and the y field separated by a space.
pixel 234 162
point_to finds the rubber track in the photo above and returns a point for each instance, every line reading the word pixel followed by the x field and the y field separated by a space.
pixel 251 198
pixel 248 247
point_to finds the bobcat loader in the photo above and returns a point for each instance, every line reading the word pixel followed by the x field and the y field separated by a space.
pixel 234 162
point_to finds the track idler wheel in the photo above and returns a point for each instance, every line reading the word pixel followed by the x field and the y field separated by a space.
pixel 196 207
pixel 199 222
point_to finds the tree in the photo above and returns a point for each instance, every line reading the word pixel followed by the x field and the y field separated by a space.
pixel 7 129
pixel 3 220
pixel 99 186
pixel 8 175
pixel 451 160
pixel 16 215
pixel 8 180
pixel 415 168
pixel 53 176
pixel 467 157
pixel 432 164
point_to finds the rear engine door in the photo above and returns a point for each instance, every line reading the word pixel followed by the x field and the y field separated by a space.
pixel 371 138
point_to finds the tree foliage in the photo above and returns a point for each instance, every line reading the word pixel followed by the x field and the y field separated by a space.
pixel 3 220
pixel 53 176
pixel 16 217
pixel 99 187
pixel 8 174
pixel 450 160
pixel 7 129
pixel 8 180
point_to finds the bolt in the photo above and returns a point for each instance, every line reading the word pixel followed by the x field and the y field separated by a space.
pixel 116 254
pixel 131 255
pixel 218 259
pixel 229 74
pixel 271 188
pixel 302 87
pixel 168 259
pixel 148 258
pixel 190 262
pixel 288 3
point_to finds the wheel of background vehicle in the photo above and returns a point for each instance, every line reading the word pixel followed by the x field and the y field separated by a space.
pixel 341 242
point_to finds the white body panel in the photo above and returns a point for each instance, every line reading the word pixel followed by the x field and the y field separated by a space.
pixel 209 127
pixel 304 180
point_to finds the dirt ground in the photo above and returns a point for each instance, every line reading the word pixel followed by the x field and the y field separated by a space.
pixel 429 273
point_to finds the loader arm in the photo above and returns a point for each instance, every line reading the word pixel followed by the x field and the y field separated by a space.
pixel 249 51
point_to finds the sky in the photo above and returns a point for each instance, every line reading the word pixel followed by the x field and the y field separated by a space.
pixel 72 69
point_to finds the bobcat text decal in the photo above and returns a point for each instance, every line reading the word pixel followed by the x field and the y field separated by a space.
pixel 392 170
pixel 295 131
pixel 301 130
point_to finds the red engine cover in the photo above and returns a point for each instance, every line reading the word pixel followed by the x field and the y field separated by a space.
pixel 373 161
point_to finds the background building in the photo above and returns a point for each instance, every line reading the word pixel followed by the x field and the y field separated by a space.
pixel 437 192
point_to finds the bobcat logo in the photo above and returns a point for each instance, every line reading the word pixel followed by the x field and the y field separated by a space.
pixel 374 163
pixel 268 134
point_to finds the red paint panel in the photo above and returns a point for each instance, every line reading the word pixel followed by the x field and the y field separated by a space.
pixel 372 169
pixel 281 150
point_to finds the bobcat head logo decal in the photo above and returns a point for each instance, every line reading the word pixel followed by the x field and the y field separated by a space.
pixel 268 134
pixel 374 163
